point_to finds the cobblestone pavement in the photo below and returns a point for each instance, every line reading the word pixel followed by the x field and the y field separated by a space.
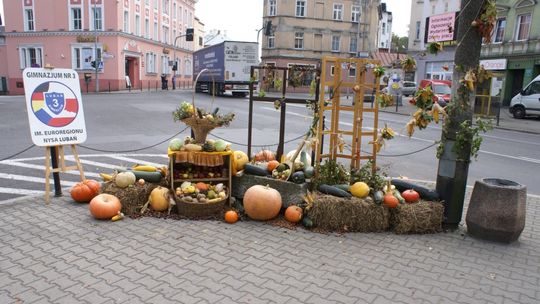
pixel 58 254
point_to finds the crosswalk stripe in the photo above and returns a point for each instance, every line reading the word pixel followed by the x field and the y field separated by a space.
pixel 135 161
pixel 20 191
pixel 92 163
pixel 31 179
pixel 42 168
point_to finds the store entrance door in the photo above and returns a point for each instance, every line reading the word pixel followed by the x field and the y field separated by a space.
pixel 132 71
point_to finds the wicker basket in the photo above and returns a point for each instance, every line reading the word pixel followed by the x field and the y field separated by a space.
pixel 198 210
pixel 201 127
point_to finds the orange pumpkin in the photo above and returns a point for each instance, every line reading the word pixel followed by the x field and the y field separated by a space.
pixel 262 202
pixel 293 214
pixel 231 217
pixel 201 186
pixel 84 191
pixel 104 206
pixel 272 165
pixel 265 155
pixel 390 201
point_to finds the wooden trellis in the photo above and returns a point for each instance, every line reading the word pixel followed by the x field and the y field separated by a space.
pixel 340 75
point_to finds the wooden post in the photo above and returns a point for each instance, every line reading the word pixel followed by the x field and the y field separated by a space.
pixel 61 167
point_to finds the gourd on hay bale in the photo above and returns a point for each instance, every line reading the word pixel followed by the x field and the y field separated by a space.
pixel 348 214
pixel 132 197
pixel 421 217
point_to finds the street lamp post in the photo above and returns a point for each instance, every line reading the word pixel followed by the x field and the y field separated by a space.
pixel 189 32
pixel 96 49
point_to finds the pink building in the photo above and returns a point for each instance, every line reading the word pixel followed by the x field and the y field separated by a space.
pixel 134 39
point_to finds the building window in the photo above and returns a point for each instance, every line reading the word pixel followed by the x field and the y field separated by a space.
pixel 147 28
pixel 76 19
pixel 156 37
pixel 151 63
pixel 433 9
pixel 338 11
pixel 147 2
pixel 180 14
pixel 299 40
pixel 271 41
pixel 31 57
pixel 165 33
pixel 522 27
pixel 29 19
pixel 383 29
pixel 165 7
pixel 174 10
pixel 335 43
pixel 97 20
pixel 417 34
pixel 82 57
pixel 165 68
pixel 499 30
pixel 353 45
pixel 137 25
pixel 446 7
pixel 352 72
pixel 300 8
pixel 155 4
pixel 355 11
pixel 187 67
pixel 271 7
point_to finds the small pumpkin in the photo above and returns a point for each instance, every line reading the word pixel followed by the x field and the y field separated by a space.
pixel 359 189
pixel 293 214
pixel 410 196
pixel 390 201
pixel 272 165
pixel 125 179
pixel 262 202
pixel 159 199
pixel 231 217
pixel 240 160
pixel 85 191
pixel 265 155
pixel 104 206
pixel 201 186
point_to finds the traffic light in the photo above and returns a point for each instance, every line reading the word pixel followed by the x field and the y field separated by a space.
pixel 93 63
pixel 189 34
pixel 175 66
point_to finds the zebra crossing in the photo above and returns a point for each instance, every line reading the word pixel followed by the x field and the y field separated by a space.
pixel 26 176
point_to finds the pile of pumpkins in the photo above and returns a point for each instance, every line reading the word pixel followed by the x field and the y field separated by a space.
pixel 102 205
pixel 264 163
pixel 189 144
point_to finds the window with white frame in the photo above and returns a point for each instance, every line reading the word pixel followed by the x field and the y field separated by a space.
pixel 165 33
pixel 299 40
pixel 271 7
pixel 156 37
pixel 126 21
pixel 165 7
pixel 300 8
pixel 338 11
pixel 383 30
pixel 355 13
pixel 165 69
pixel 271 41
pixel 498 33
pixel 335 43
pixel 155 4
pixel 353 44
pixel 30 56
pixel 523 25
pixel 83 56
pixel 76 19
pixel 147 28
pixel 151 67
pixel 97 20
pixel 137 25
pixel 174 10
pixel 29 19
pixel 190 20
pixel 187 67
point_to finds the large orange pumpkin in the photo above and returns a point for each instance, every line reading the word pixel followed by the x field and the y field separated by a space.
pixel 262 202
pixel 104 206
pixel 293 214
pixel 84 191
pixel 265 155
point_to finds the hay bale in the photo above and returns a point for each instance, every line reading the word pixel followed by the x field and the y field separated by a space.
pixel 132 198
pixel 421 217
pixel 348 214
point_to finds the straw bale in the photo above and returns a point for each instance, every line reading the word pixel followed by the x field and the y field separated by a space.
pixel 421 217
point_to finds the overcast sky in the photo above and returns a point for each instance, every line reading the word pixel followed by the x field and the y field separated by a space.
pixel 241 18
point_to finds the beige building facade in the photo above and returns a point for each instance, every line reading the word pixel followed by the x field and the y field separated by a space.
pixel 303 31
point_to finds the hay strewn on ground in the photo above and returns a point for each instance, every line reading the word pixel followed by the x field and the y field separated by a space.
pixel 421 217
pixel 348 214
pixel 132 197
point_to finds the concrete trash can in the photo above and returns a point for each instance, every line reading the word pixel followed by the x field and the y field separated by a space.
pixel 497 210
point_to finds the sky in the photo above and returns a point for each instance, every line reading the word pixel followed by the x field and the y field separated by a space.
pixel 241 18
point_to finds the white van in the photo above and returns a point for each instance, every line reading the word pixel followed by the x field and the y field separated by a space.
pixel 527 101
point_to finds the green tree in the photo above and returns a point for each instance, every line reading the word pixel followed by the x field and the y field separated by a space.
pixel 399 44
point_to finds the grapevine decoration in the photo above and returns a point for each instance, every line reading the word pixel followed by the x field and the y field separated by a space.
pixel 385 100
pixel 428 110
pixel 408 64
pixel 386 133
pixel 486 21
pixel 434 48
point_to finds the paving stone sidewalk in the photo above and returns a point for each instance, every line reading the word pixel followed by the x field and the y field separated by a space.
pixel 58 254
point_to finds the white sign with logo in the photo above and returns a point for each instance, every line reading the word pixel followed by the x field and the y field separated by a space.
pixel 54 106
pixel 494 64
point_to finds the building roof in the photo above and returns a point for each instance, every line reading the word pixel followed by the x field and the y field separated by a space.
pixel 386 58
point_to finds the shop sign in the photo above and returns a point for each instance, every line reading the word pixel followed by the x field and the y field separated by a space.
pixel 441 27
pixel 494 64
pixel 83 39
pixel 54 106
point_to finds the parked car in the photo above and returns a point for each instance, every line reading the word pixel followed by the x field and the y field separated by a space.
pixel 527 101
pixel 441 88
pixel 409 88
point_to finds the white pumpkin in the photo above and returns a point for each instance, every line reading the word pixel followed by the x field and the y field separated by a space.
pixel 291 154
pixel 125 179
